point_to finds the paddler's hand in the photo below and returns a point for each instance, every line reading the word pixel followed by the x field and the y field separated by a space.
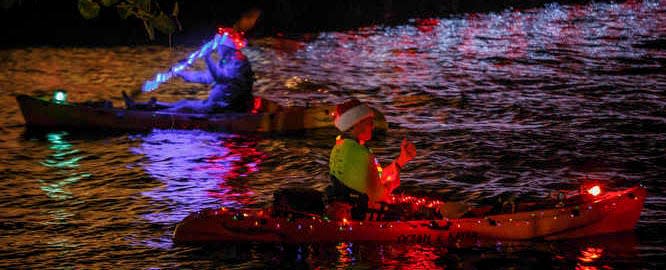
pixel 407 152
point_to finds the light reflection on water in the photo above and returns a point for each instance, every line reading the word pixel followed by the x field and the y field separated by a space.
pixel 517 101
pixel 63 159
pixel 195 168
pixel 64 162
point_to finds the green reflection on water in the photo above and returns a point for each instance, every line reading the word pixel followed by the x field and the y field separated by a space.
pixel 62 159
pixel 62 151
pixel 56 191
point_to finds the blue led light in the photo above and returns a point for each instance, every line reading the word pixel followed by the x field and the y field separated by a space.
pixel 160 78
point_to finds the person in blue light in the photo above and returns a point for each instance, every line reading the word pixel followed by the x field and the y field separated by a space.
pixel 231 79
pixel 230 76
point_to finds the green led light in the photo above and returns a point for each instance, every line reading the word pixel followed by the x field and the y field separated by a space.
pixel 60 96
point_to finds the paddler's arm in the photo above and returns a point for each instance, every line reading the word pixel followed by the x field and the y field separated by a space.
pixel 214 70
pixel 203 77
pixel 378 190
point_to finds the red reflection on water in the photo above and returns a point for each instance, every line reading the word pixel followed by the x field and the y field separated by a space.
pixel 501 35
pixel 590 254
pixel 421 257
pixel 345 255
pixel 516 36
pixel 587 256
pixel 600 252
pixel 468 38
pixel 427 25
pixel 415 256
pixel 241 160
pixel 198 170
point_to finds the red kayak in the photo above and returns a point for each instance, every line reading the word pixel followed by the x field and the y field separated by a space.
pixel 579 216
pixel 266 117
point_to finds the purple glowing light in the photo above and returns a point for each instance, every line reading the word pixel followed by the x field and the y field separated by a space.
pixel 195 168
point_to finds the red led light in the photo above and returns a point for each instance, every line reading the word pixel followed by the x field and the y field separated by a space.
pixel 238 38
pixel 256 106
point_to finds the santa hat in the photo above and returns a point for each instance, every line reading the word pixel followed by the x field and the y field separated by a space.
pixel 350 113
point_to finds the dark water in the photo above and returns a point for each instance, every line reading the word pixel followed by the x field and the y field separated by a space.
pixel 521 102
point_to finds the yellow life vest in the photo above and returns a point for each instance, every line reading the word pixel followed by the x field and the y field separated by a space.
pixel 349 164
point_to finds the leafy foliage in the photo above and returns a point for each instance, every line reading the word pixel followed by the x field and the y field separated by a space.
pixel 124 12
pixel 88 9
pixel 163 23
pixel 148 11
pixel 108 3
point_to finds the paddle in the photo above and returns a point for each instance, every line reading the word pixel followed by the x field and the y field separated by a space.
pixel 206 49
pixel 243 24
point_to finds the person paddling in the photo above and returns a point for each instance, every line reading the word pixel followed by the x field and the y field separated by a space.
pixel 356 175
pixel 230 77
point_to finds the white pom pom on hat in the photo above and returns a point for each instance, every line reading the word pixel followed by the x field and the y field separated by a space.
pixel 350 113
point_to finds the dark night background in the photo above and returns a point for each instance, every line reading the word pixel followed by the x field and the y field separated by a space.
pixel 58 23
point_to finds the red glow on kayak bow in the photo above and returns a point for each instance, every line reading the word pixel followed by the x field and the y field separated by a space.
pixel 595 190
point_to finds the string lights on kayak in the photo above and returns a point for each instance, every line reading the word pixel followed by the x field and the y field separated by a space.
pixel 526 224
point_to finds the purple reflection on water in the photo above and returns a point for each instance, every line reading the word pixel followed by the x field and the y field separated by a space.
pixel 199 170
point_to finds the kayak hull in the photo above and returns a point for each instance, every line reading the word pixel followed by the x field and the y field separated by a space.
pixel 608 213
pixel 43 113
pixel 229 226
pixel 611 212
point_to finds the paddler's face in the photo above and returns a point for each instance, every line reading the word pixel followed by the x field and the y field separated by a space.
pixel 363 130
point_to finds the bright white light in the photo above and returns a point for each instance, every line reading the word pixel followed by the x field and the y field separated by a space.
pixel 595 190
